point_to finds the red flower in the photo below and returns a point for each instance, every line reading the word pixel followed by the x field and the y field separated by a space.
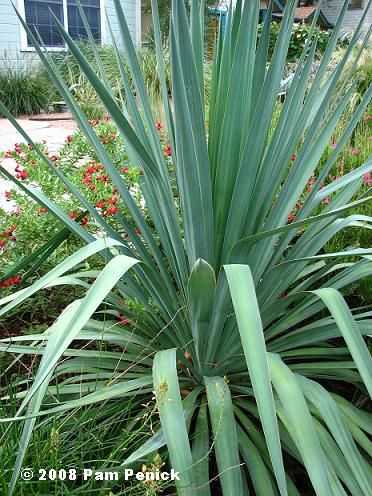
pixel 112 137
pixel 123 319
pixel 168 151
pixel 87 180
pixel 125 169
pixel 2 242
pixel 112 210
pixel 54 158
pixel 293 157
pixel 367 178
pixel 159 127
pixel 290 217
pixel 113 200
pixel 138 231
pixel 72 215
pixel 43 211
pixel 8 195
pixel 283 295
pixel 94 122
pixel 84 221
pixel 30 147
pixel 69 138
pixel 104 141
pixel 99 204
pixel 11 280
pixel 355 151
pixel 22 175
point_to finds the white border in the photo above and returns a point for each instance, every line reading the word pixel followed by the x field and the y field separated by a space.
pixel 138 23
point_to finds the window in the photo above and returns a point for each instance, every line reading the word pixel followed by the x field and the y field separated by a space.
pixel 38 16
pixel 355 4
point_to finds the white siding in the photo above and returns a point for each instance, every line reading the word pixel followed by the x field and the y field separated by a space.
pixel 332 8
pixel 10 37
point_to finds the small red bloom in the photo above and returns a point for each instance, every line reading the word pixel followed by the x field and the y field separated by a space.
pixel 159 127
pixel 367 179
pixel 112 210
pixel 69 138
pixel 112 137
pixel 293 157
pixel 8 195
pixel 355 151
pixel 138 231
pixel 290 217
pixel 72 215
pixel 54 158
pixel 2 242
pixel 125 169
pixel 113 200
pixel 168 151
pixel 22 175
pixel 43 211
pixel 99 204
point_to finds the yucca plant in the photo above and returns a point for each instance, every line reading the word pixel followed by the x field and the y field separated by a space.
pixel 234 317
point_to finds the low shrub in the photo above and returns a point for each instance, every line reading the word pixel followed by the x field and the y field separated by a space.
pixel 300 33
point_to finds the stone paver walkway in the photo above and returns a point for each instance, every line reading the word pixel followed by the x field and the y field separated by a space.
pixel 54 136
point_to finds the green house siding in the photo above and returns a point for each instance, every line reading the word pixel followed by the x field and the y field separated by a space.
pixel 13 43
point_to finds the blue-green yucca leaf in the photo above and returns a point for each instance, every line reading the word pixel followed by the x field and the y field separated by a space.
pixel 251 334
pixel 331 415
pixel 225 440
pixel 300 421
pixel 172 419
pixel 201 290
pixel 350 332
pixel 200 452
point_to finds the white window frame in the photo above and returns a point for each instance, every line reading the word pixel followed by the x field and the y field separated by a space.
pixel 23 34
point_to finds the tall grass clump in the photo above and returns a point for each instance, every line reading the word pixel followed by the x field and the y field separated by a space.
pixel 215 300
pixel 24 89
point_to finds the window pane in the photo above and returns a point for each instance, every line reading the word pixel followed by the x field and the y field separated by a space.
pixel 355 4
pixel 75 23
pixel 39 19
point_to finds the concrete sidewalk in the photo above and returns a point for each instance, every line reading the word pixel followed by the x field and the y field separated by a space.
pixel 54 135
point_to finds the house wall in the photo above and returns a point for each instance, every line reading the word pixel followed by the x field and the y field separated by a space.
pixel 11 51
pixel 332 8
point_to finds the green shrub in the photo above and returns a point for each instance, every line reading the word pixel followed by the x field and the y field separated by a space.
pixel 300 33
pixel 24 89
pixel 218 303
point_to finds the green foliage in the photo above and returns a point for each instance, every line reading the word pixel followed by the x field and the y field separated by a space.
pixel 24 89
pixel 239 325
pixel 164 17
pixel 82 89
pixel 300 34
